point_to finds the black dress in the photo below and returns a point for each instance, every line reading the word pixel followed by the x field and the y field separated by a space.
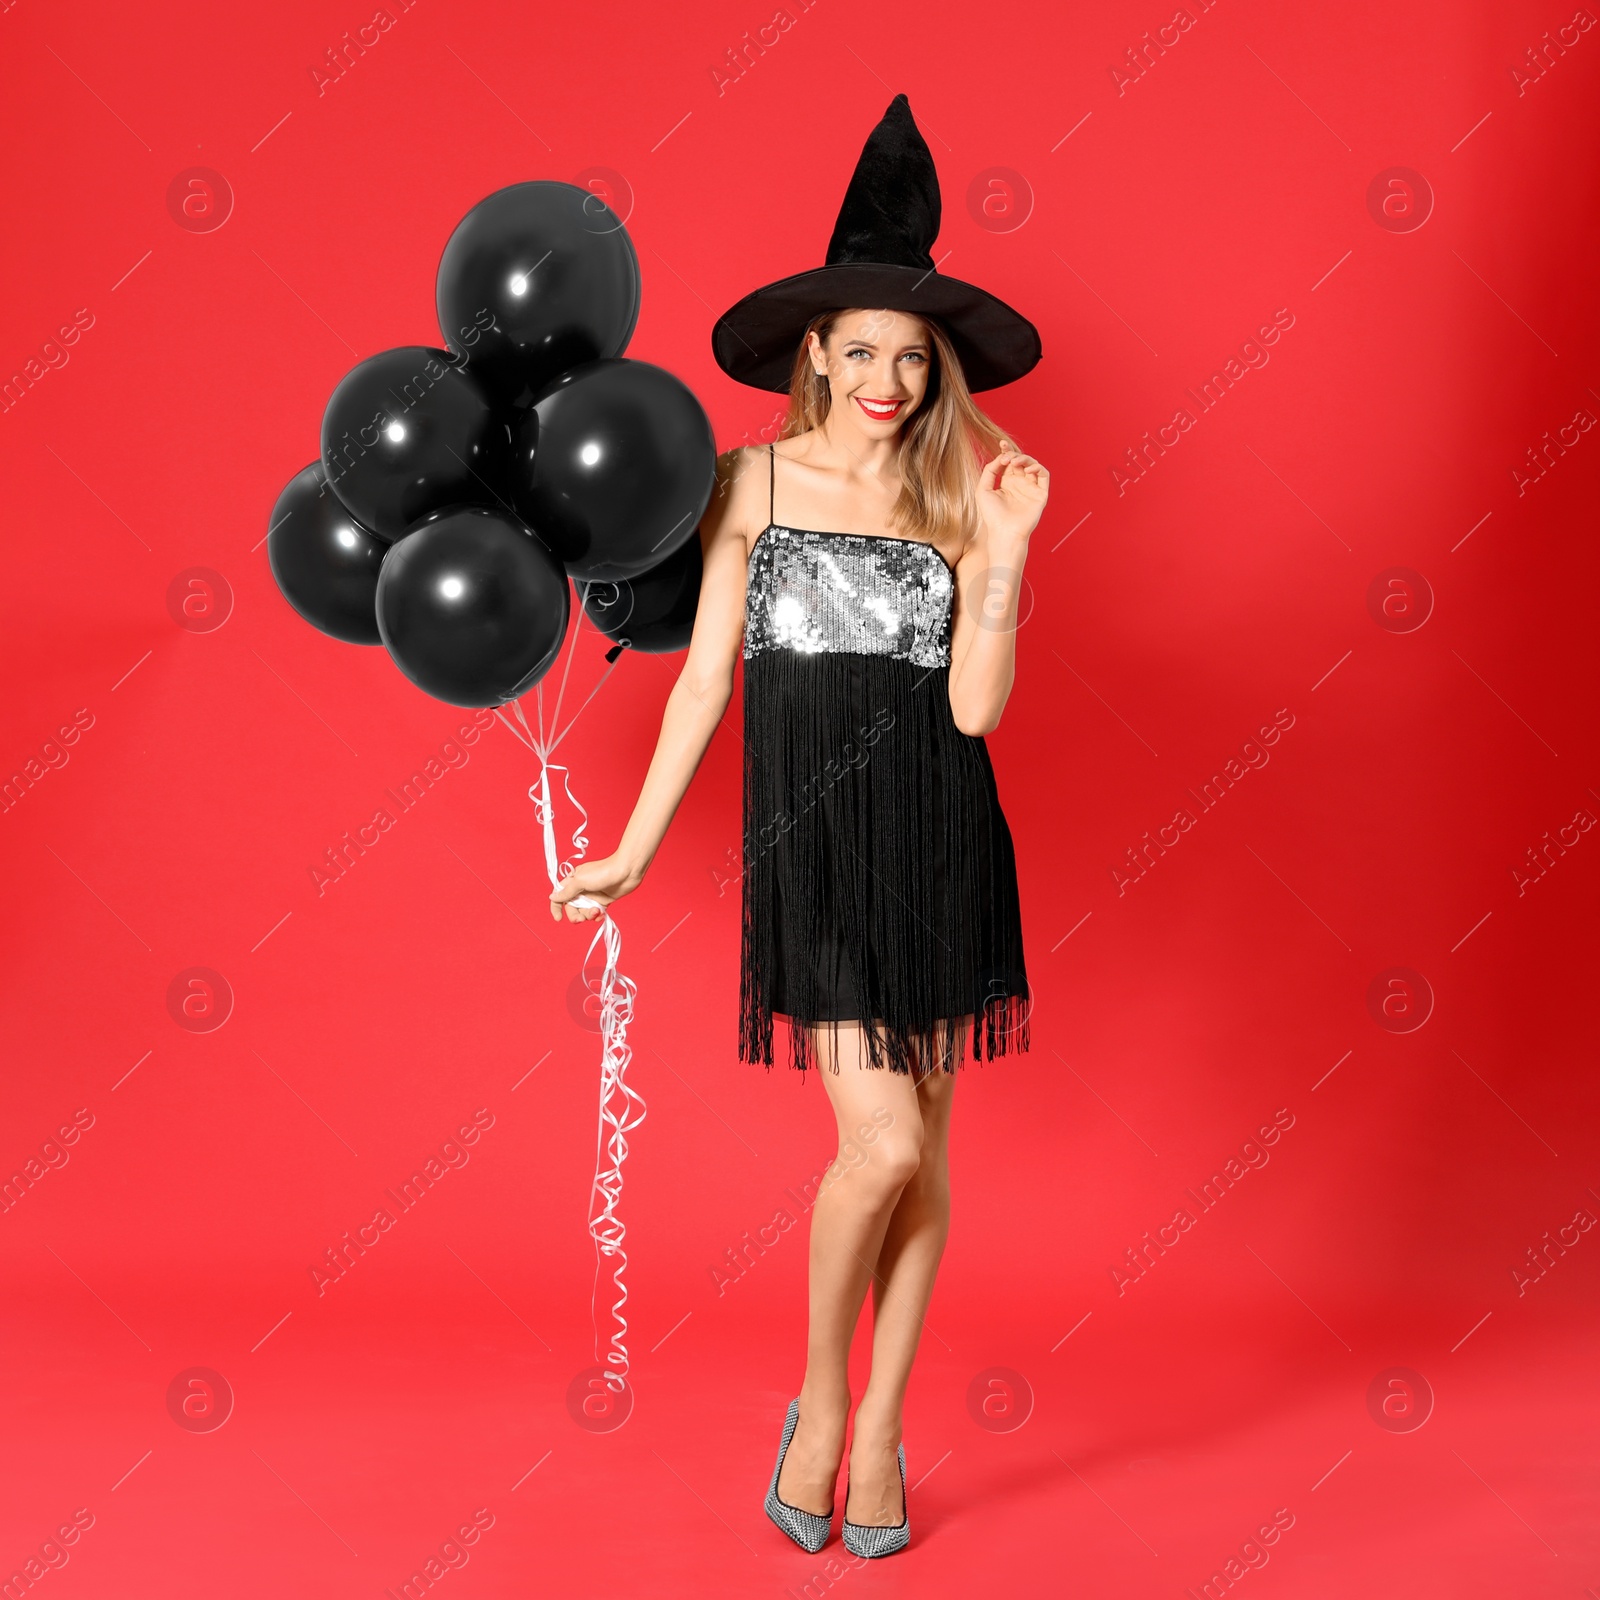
pixel 879 878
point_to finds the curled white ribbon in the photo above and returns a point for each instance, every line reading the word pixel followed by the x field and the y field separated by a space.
pixel 622 1108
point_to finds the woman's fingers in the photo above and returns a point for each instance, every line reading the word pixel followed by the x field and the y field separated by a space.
pixel 564 894
pixel 1027 467
pixel 567 895
pixel 997 468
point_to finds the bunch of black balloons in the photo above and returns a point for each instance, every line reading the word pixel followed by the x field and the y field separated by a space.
pixel 459 489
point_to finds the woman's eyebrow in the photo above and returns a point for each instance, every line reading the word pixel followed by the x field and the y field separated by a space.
pixel 905 350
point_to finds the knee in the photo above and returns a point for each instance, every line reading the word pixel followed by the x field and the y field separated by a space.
pixel 896 1156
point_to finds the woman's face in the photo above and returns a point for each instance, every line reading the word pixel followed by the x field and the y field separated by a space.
pixel 877 365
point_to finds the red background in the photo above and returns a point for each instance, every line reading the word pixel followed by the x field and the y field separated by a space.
pixel 1165 1423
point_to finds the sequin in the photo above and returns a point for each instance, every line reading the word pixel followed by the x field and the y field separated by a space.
pixel 859 594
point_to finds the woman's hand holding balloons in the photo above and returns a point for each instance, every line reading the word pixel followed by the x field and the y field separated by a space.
pixel 600 882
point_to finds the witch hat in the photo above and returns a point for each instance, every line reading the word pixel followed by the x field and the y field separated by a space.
pixel 880 255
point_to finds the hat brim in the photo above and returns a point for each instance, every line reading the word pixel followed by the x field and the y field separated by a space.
pixel 755 341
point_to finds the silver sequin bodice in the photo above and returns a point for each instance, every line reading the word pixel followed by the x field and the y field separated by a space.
pixel 848 593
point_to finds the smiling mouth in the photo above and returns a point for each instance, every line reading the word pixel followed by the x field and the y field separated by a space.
pixel 880 410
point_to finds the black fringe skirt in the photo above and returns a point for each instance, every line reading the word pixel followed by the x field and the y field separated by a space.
pixel 880 882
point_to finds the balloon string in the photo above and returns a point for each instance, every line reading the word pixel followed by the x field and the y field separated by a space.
pixel 542 746
pixel 566 671
pixel 622 1108
pixel 611 667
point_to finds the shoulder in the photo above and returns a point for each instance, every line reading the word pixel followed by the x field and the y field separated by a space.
pixel 739 499
pixel 742 476
pixel 795 447
pixel 741 461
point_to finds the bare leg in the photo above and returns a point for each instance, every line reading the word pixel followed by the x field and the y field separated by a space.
pixel 902 1286
pixel 879 1118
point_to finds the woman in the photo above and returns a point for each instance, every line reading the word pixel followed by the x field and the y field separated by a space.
pixel 880 913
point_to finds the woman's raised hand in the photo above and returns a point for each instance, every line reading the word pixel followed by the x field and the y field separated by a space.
pixel 1012 490
pixel 601 881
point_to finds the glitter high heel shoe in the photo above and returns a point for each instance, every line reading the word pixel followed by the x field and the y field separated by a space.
pixel 861 1540
pixel 806 1528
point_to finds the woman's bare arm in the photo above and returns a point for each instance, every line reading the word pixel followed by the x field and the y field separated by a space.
pixel 1012 492
pixel 695 706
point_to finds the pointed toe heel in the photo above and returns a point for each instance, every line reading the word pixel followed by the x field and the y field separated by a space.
pixel 870 1543
pixel 808 1530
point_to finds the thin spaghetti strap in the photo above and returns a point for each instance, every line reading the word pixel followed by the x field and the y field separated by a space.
pixel 772 482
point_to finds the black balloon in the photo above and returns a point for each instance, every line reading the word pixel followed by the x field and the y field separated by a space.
pixel 409 432
pixel 614 466
pixel 472 607
pixel 325 562
pixel 655 611
pixel 537 278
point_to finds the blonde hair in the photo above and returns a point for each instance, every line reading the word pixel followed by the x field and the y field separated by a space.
pixel 942 448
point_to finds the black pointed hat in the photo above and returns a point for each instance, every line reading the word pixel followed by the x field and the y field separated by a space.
pixel 880 255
